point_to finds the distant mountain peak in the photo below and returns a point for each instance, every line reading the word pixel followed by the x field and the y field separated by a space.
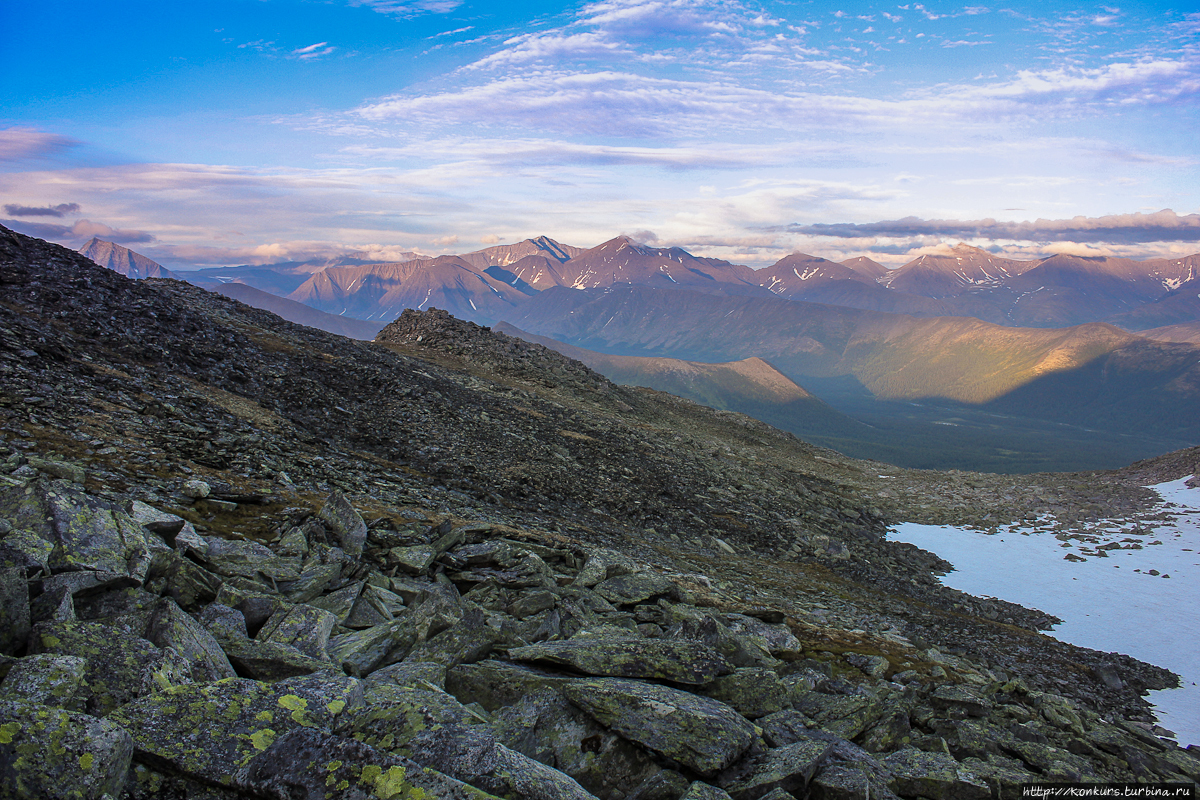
pixel 123 260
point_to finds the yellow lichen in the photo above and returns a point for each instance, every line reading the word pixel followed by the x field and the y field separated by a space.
pixel 262 739
pixel 85 762
pixel 336 707
pixel 8 730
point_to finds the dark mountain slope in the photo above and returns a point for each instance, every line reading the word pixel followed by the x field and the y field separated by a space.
pixel 300 313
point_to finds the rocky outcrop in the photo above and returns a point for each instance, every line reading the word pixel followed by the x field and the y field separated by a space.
pixel 467 679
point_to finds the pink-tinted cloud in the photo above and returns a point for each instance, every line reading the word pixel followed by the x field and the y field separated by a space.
pixel 18 144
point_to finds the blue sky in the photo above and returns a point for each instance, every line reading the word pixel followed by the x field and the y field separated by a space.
pixel 251 131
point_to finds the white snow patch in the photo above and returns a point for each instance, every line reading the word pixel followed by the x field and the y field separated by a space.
pixel 1110 604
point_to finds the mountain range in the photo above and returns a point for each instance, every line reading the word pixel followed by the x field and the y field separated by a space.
pixel 1052 340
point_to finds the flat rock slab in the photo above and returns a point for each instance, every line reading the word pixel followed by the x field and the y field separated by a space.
pixel 47 752
pixel 211 731
pixel 934 775
pixel 675 660
pixel 699 732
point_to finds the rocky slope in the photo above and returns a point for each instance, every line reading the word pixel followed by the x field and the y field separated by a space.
pixel 457 562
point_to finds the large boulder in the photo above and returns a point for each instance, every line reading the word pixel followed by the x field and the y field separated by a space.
pixel 210 732
pixel 701 733
pixel 344 522
pixel 936 776
pixel 51 680
pixel 120 666
pixel 679 661
pixel 86 533
pixel 48 752
pixel 310 763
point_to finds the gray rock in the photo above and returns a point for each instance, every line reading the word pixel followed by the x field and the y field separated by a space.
pixel 679 661
pixel 788 768
pixel 53 605
pixel 168 626
pixel 211 731
pixel 15 621
pixel 86 534
pixel 846 716
pixel 120 666
pixel 703 791
pixel 303 627
pixel 59 469
pixel 602 565
pixel 49 680
pixel 635 588
pixel 271 661
pixel 752 692
pixel 48 752
pixel 473 755
pixel 340 602
pixel 345 523
pixel 934 775
pixel 26 549
pixel 545 726
pixel 195 489
pixel 345 769
pixel 703 734
pixel 363 652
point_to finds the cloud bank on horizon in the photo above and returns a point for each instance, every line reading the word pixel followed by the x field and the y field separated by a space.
pixel 743 129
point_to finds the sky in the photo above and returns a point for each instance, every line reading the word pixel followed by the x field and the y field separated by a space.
pixel 257 131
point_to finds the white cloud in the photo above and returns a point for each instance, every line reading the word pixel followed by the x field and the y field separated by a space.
pixel 313 51
pixel 19 144
pixel 409 8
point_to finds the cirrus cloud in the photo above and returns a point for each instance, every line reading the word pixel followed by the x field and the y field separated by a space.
pixel 1161 226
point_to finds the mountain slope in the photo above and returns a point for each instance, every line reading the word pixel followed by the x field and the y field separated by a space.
pixel 382 291
pixel 623 261
pixel 505 254
pixel 300 313
pixel 1153 384
pixel 751 386
pixel 123 260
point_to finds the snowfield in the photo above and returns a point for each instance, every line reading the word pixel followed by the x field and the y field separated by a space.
pixel 1128 586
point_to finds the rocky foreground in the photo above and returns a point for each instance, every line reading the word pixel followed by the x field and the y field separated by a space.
pixel 456 660
pixel 243 558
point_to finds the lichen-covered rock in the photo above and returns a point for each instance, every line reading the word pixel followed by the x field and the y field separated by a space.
pixel 303 627
pixel 603 564
pixel 168 626
pixel 498 684
pixel 50 680
pixel 398 713
pixel 473 755
pixel 374 606
pixel 211 731
pixel 14 610
pixel 703 734
pixel 186 582
pixel 345 523
pixel 363 652
pixel 270 661
pixel 933 775
pixel 752 692
pixel 788 768
pixel 120 665
pixel 27 550
pixel 54 605
pixel 508 564
pixel 408 674
pixel 686 622
pixel 965 700
pixel 413 560
pixel 545 726
pixel 635 588
pixel 846 716
pixel 147 783
pixel 309 763
pixel 85 532
pixel 778 640
pixel 340 602
pixel 48 752
pixel 246 559
pixel 704 791
pixel 1004 776
pixel 679 661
